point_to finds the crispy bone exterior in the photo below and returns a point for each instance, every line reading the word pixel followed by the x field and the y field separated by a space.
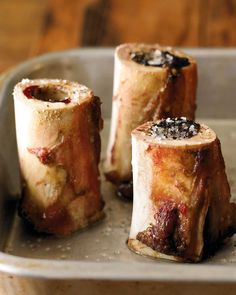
pixel 144 93
pixel 57 126
pixel 182 206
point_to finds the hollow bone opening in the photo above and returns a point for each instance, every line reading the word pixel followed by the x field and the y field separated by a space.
pixel 174 128
pixel 46 93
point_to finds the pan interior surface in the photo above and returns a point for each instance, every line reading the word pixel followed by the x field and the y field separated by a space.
pixel 105 242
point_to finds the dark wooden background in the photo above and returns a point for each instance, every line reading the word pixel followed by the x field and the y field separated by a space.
pixel 32 27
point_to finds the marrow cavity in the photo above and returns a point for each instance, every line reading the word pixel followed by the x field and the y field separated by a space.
pixel 158 58
pixel 46 93
pixel 177 128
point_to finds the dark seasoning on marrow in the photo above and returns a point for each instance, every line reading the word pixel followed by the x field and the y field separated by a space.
pixel 158 58
pixel 176 128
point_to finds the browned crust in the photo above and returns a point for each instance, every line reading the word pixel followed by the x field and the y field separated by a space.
pixel 55 219
pixel 180 240
pixel 190 195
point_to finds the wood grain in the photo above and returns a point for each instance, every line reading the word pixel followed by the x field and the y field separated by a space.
pixel 152 21
pixel 29 28
pixel 19 27
pixel 220 23
pixel 62 25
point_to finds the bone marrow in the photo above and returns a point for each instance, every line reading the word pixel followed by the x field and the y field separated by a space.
pixel 176 128
pixel 182 207
pixel 150 83
pixel 50 93
pixel 160 58
pixel 58 125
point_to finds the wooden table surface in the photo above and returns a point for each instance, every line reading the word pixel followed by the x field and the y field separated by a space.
pixel 32 27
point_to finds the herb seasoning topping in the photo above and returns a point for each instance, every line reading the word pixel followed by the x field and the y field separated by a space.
pixel 174 128
pixel 158 58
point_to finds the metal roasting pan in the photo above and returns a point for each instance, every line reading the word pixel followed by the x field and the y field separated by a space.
pixel 100 252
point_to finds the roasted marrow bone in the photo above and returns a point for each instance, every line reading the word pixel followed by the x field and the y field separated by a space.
pixel 150 82
pixel 181 208
pixel 57 127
